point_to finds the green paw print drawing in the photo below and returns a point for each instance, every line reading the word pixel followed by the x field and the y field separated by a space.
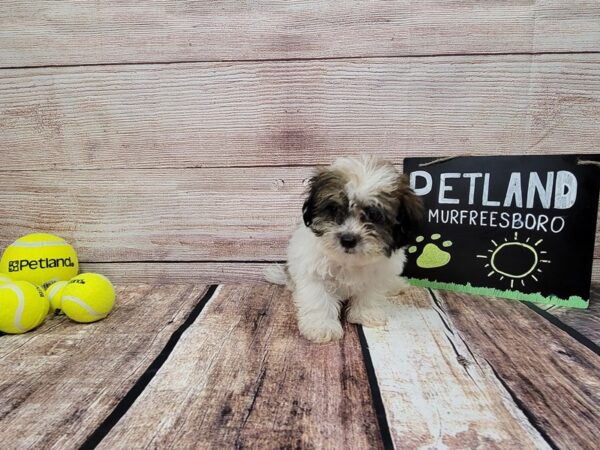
pixel 432 255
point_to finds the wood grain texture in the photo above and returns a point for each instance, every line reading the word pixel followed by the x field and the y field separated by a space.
pixel 242 377
pixel 435 394
pixel 556 378
pixel 51 33
pixel 181 272
pixel 59 382
pixel 158 215
pixel 213 273
pixel 145 215
pixel 586 321
pixel 297 112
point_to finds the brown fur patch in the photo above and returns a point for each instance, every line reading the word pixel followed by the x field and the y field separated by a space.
pixel 326 202
pixel 411 213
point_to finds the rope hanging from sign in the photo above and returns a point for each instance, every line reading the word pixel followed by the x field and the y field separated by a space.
pixel 580 162
pixel 440 160
pixel 589 162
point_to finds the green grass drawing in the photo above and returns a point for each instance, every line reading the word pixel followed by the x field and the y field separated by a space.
pixel 573 301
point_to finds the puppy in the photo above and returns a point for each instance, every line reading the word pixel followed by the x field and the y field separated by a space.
pixel 358 216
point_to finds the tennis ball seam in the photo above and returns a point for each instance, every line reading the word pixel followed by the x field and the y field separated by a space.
pixel 83 304
pixel 55 289
pixel 20 307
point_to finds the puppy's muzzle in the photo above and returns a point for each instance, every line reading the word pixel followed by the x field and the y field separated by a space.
pixel 349 240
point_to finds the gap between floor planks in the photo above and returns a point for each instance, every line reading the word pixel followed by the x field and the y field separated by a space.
pixel 585 322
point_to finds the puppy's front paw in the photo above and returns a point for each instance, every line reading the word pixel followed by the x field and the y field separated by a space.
pixel 321 332
pixel 369 317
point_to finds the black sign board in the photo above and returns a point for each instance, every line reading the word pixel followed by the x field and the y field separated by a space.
pixel 520 227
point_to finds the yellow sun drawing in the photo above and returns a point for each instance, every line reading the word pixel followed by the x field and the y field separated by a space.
pixel 533 255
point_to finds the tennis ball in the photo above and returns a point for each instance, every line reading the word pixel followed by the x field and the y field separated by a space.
pixel 54 295
pixel 4 279
pixel 40 259
pixel 88 297
pixel 23 307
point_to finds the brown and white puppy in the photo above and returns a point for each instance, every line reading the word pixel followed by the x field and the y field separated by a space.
pixel 359 215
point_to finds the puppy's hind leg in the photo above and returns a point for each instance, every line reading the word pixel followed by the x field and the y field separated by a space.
pixel 278 274
pixel 318 313
pixel 398 286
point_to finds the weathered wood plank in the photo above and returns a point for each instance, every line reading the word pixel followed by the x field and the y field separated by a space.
pixel 158 215
pixel 552 375
pixel 193 215
pixel 435 394
pixel 242 377
pixel 584 321
pixel 181 272
pixel 297 112
pixel 50 33
pixel 212 273
pixel 60 382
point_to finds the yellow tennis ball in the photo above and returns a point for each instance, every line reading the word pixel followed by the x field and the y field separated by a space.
pixel 54 295
pixel 23 307
pixel 88 297
pixel 40 258
pixel 5 279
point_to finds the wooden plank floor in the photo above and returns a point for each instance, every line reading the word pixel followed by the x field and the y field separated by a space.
pixel 241 377
pixel 553 376
pixel 435 393
pixel 187 366
pixel 59 383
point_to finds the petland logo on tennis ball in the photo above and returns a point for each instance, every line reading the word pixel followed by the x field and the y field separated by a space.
pixel 42 263
pixel 41 259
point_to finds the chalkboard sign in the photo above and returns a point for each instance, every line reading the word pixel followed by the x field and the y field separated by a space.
pixel 519 227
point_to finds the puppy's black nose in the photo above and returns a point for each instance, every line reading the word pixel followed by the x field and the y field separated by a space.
pixel 348 240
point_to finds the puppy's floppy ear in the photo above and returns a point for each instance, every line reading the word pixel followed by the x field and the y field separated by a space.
pixel 308 210
pixel 326 184
pixel 410 217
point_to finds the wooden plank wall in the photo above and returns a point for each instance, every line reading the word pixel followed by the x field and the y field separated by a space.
pixel 173 139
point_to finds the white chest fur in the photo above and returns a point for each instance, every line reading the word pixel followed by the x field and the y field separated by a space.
pixel 344 277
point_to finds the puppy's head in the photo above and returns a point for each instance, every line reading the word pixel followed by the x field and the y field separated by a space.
pixel 360 207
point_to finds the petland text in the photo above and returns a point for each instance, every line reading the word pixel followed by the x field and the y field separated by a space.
pixel 558 191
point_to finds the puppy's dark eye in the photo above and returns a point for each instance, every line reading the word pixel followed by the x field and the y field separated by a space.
pixel 373 214
pixel 332 208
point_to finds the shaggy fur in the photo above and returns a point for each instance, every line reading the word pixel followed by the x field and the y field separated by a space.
pixel 358 216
